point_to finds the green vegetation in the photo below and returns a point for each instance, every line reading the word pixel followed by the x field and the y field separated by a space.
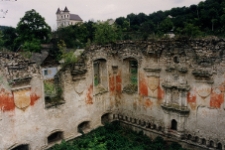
pixel 114 137
pixel 105 33
pixel 30 33
pixel 205 19
pixel 53 93
pixel 32 30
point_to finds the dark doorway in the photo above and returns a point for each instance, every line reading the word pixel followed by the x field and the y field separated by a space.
pixel 203 142
pixel 219 146
pixel 21 147
pixel 174 124
pixel 105 118
pixel 211 144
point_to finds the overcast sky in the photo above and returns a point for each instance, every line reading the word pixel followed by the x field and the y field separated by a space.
pixel 86 9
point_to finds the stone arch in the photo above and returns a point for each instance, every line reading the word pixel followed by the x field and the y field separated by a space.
pixel 211 143
pixel 154 126
pixel 203 141
pixel 83 126
pixel 176 59
pixel 219 146
pixel 148 125
pixel 105 118
pixel 189 137
pixel 20 147
pixel 131 57
pixel 55 136
pixel 160 128
pixel 173 124
pixel 196 139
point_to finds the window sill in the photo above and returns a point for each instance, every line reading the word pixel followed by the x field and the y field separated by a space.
pixel 54 104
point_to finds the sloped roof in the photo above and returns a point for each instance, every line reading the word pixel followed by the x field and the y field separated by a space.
pixel 49 61
pixel 75 17
pixel 66 10
pixel 38 58
pixel 58 11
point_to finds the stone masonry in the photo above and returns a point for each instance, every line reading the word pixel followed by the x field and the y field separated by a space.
pixel 170 88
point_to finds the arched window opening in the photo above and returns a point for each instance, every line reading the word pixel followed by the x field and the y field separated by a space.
pixel 154 126
pixel 105 119
pixel 54 137
pixel 196 139
pixel 130 75
pixel 176 60
pixel 189 137
pixel 219 146
pixel 139 122
pixel 114 116
pixel 211 144
pixel 160 128
pixel 21 147
pixel 174 124
pixel 83 126
pixel 133 71
pixel 130 119
pixel 203 142
pixel 100 72
pixel 144 123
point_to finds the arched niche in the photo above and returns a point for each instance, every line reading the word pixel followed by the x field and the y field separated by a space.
pixel 21 147
pixel 105 118
pixel 219 146
pixel 203 141
pixel 83 126
pixel 55 137
pixel 174 124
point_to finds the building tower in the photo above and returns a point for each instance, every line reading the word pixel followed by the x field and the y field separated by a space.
pixel 64 18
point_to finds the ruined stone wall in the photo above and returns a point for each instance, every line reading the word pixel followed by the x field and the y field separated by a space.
pixel 179 91
pixel 172 88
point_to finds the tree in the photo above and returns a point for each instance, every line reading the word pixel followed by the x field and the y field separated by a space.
pixel 1 39
pixel 9 34
pixel 166 25
pixel 32 26
pixel 190 30
pixel 105 33
pixel 33 45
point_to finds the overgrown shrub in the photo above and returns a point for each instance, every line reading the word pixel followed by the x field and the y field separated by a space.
pixel 115 137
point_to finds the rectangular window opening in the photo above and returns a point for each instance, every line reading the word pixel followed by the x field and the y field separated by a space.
pixel 133 72
pixel 97 73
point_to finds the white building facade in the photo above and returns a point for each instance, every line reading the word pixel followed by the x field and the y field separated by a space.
pixel 64 18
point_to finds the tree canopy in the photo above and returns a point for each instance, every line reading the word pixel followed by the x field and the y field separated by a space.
pixel 105 33
pixel 32 27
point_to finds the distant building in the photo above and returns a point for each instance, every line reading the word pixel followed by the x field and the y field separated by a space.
pixel 65 18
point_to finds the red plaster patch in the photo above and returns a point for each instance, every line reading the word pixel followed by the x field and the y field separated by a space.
pixel 118 83
pixel 6 101
pixel 89 98
pixel 111 84
pixel 191 99
pixel 160 93
pixel 33 97
pixel 148 103
pixel 216 100
pixel 143 89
